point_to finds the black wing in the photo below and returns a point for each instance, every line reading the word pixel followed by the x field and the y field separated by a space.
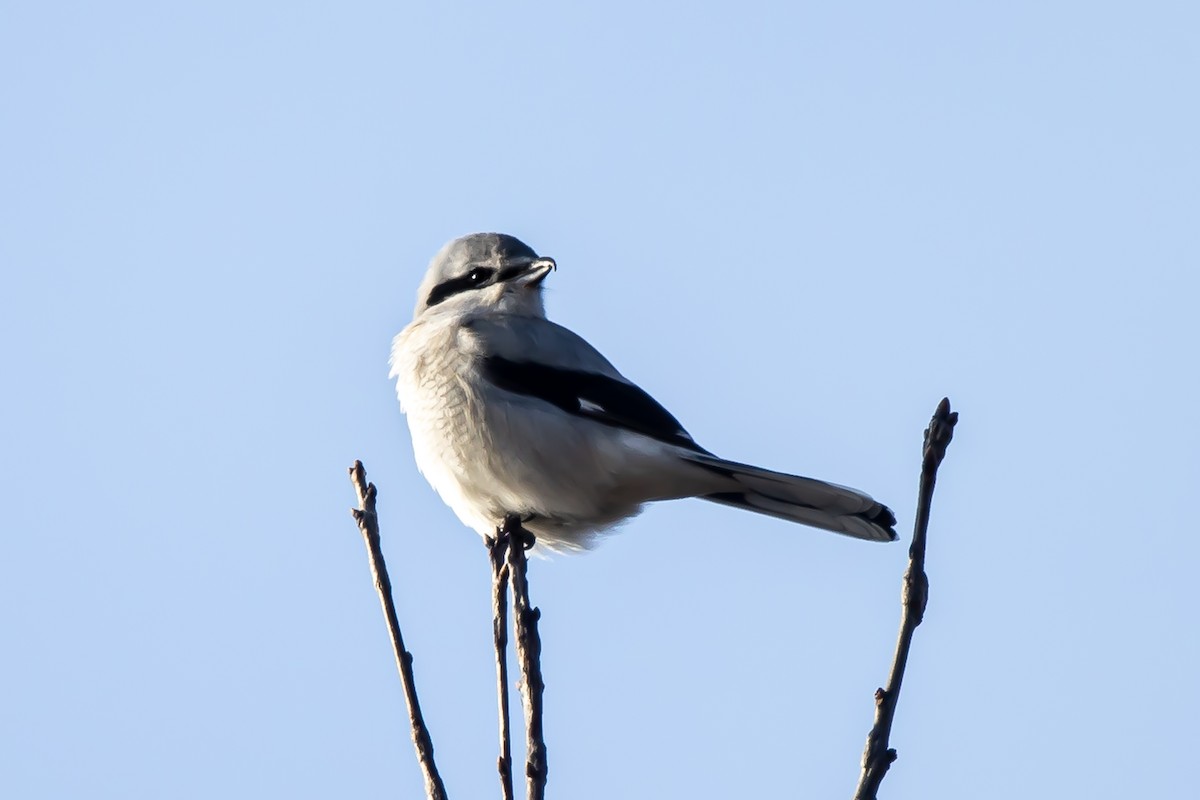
pixel 592 396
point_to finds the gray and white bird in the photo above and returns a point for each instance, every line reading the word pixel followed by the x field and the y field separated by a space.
pixel 511 413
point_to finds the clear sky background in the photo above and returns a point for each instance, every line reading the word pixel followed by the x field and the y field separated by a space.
pixel 797 225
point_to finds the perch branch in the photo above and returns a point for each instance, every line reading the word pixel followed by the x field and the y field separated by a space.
pixel 529 655
pixel 368 524
pixel 497 549
pixel 878 755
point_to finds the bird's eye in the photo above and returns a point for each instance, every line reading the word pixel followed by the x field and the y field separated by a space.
pixel 479 275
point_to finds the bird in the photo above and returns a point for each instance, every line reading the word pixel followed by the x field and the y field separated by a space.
pixel 511 414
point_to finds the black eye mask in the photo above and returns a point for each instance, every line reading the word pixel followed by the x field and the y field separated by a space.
pixel 477 278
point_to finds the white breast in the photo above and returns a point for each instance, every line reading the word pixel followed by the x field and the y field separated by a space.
pixel 433 385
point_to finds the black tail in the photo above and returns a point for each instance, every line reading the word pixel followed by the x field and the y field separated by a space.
pixel 804 500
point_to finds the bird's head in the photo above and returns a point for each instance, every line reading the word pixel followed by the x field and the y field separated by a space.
pixel 485 272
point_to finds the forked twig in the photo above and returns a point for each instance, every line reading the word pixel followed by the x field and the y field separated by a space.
pixel 368 524
pixel 878 755
pixel 529 656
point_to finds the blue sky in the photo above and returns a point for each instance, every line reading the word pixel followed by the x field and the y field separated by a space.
pixel 797 225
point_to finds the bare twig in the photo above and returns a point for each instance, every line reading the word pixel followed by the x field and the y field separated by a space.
pixel 368 524
pixel 529 656
pixel 497 549
pixel 877 755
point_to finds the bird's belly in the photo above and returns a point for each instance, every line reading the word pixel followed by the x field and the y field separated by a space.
pixel 488 459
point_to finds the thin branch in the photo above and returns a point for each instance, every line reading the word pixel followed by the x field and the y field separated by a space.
pixel 529 656
pixel 878 755
pixel 368 524
pixel 497 548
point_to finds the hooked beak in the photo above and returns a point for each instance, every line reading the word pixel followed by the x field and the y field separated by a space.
pixel 530 273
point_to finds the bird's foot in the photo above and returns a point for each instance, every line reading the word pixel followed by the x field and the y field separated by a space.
pixel 512 526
